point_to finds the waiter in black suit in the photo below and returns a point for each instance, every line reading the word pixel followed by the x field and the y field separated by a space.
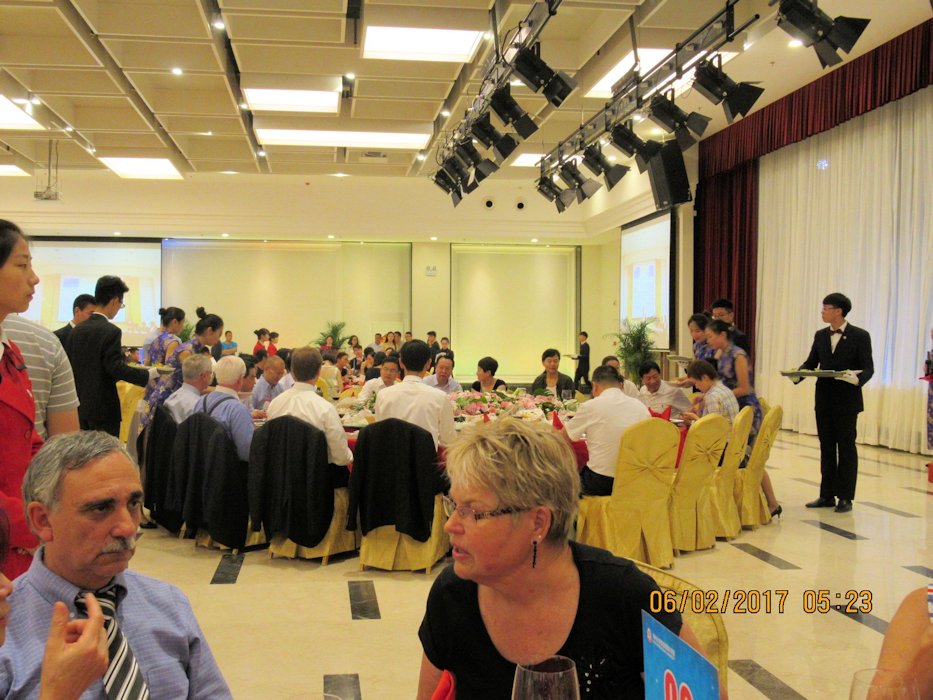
pixel 82 309
pixel 840 347
pixel 98 362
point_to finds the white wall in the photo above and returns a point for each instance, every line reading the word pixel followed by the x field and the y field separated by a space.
pixel 430 290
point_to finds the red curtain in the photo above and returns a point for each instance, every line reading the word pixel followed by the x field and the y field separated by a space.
pixel 726 225
pixel 726 243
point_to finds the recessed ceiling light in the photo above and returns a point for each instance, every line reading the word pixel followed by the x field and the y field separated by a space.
pixel 117 233
pixel 340 175
pixel 331 236
pixel 445 112
pixel 177 71
pixel 12 117
pixel 219 24
pixel 421 156
pixel 10 170
pixel 261 153
pixel 243 105
pixel 516 83
pixel 35 100
pixel 433 238
pixel 261 99
pixel 350 76
pixel 225 235
pixel 346 139
pixel 534 240
pixel 487 36
pixel 415 44
pixel 229 172
pixel 205 133
pixel 69 129
pixel 795 43
pixel 143 168
pixel 265 240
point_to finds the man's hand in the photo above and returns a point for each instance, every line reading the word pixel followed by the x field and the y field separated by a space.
pixel 849 376
pixel 257 414
pixel 76 653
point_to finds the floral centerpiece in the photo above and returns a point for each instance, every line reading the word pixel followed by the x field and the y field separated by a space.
pixel 471 405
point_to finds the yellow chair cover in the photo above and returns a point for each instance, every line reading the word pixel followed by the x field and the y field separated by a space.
pixel 635 521
pixel 693 525
pixel 707 626
pixel 753 507
pixel 337 540
pixel 725 510
pixel 324 389
pixel 130 395
pixel 386 548
pixel 353 391
pixel 765 406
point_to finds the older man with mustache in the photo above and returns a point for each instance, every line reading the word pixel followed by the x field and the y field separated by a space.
pixel 83 500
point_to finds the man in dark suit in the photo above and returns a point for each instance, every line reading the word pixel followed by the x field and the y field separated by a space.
pixel 582 376
pixel 98 362
pixel 82 308
pixel 841 347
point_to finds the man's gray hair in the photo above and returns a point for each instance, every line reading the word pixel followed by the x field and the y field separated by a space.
pixel 229 369
pixel 194 366
pixel 61 454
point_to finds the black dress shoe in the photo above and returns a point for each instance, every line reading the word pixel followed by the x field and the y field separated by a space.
pixel 822 503
pixel 844 506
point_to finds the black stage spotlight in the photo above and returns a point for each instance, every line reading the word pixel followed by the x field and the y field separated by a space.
pixel 598 164
pixel 630 144
pixel 552 193
pixel 460 173
pixel 510 112
pixel 803 20
pixel 443 180
pixel 482 167
pixel 716 86
pixel 665 113
pixel 577 181
pixel 537 75
pixel 489 136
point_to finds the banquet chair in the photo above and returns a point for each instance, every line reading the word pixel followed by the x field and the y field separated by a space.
pixel 725 510
pixel 352 392
pixel 750 499
pixel 708 626
pixel 635 521
pixel 693 525
pixel 293 492
pixel 323 388
pixel 395 494
pixel 129 395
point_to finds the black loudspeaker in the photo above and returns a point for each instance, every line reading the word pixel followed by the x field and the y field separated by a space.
pixel 668 175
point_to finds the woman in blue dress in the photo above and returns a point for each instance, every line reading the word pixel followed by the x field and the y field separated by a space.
pixel 207 332
pixel 173 320
pixel 697 325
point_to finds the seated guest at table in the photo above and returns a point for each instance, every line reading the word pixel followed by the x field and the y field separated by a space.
pixel 198 374
pixel 259 358
pixel 228 346
pixel 353 341
pixel 330 374
pixel 519 590
pixel 414 401
pixel 272 348
pixel 82 308
pixel 328 345
pixel 734 369
pixel 388 375
pixel 375 368
pixel 271 384
pixel 550 380
pixel 486 380
pixel 389 342
pixel 343 363
pixel 232 415
pixel 628 388
pixel 303 402
pixel 245 393
pixel 659 394
pixel 376 345
pixel 262 339
pixel 357 360
pixel 716 397
pixel 84 500
pixel 443 375
pixel 603 419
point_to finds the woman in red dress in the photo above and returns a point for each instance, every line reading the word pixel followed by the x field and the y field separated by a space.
pixel 19 440
pixel 262 338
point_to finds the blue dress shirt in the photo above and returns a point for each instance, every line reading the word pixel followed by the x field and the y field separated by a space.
pixel 156 619
pixel 232 415
pixel 263 391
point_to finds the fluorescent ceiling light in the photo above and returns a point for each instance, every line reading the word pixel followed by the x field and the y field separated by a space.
pixel 143 168
pixel 649 59
pixel 345 139
pixel 292 100
pixel 9 170
pixel 413 44
pixel 12 117
pixel 531 160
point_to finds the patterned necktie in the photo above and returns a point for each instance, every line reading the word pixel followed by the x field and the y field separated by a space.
pixel 123 679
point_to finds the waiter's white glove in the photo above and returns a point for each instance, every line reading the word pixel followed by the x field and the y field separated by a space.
pixel 850 377
pixel 153 373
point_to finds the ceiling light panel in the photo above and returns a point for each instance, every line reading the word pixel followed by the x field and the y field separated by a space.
pixel 418 44
pixel 143 168
pixel 262 99
pixel 12 117
pixel 7 170
pixel 342 139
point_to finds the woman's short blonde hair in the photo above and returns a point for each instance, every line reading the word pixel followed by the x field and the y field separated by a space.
pixel 525 464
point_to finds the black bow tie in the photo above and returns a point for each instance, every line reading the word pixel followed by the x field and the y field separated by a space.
pixel 833 332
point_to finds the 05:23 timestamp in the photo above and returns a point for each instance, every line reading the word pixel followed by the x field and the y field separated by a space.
pixel 754 601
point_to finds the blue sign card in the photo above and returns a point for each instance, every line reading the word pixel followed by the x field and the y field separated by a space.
pixel 673 669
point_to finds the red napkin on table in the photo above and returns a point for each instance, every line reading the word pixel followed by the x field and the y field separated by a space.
pixel 555 419
pixel 445 689
pixel 485 420
pixel 665 414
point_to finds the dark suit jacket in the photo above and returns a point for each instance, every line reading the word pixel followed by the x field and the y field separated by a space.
pixel 564 383
pixel 739 339
pixel 852 352
pixel 98 364
pixel 63 333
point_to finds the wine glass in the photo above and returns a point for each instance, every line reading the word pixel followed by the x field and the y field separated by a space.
pixel 881 684
pixel 552 679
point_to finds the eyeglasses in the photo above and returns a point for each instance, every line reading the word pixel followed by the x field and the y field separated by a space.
pixel 720 316
pixel 465 512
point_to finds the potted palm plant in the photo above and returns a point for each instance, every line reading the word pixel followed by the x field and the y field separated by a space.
pixel 634 346
pixel 334 329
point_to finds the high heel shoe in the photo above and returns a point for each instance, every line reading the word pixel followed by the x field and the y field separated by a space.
pixel 776 513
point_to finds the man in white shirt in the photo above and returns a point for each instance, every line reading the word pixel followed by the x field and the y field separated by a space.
pixel 302 401
pixel 658 394
pixel 628 388
pixel 414 401
pixel 604 419
pixel 443 377
pixel 388 375
pixel 197 372
pixel 376 345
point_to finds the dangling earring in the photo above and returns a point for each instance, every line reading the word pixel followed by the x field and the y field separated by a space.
pixel 534 554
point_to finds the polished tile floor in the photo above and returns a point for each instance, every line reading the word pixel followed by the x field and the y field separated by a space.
pixel 279 628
